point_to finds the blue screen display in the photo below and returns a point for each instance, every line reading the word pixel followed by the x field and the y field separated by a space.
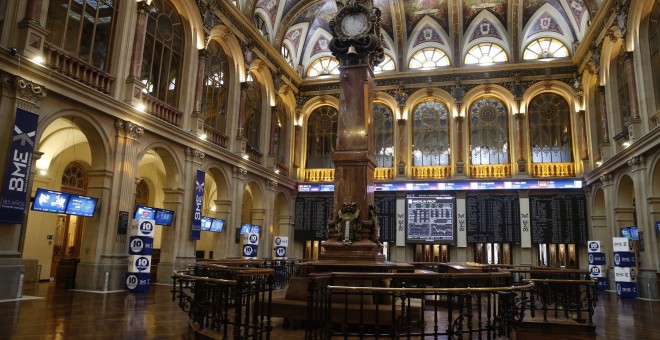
pixel 50 201
pixel 625 232
pixel 255 229
pixel 206 223
pixel 657 225
pixel 217 225
pixel 144 212
pixel 245 228
pixel 164 217
pixel 634 233
pixel 81 205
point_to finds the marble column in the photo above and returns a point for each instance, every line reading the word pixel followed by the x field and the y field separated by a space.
pixel 223 211
pixel 605 149
pixel 197 114
pixel 401 166
pixel 635 125
pixel 297 147
pixel 241 136
pixel 238 190
pixel 522 163
pixel 584 150
pixel 31 34
pixel 17 93
pixel 460 163
pixel 134 87
pixel 103 257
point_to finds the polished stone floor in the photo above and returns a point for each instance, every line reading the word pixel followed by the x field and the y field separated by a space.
pixel 65 314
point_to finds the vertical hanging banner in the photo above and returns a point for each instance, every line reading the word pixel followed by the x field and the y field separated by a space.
pixel 17 175
pixel 196 229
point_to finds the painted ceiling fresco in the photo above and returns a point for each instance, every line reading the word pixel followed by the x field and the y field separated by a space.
pixel 410 23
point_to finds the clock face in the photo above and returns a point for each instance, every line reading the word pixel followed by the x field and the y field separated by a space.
pixel 354 24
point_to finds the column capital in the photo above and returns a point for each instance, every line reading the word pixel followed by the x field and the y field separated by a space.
pixel 637 162
pixel 129 129
pixel 519 115
pixel 239 173
pixel 459 119
pixel 606 179
pixel 272 185
pixel 194 155
pixel 143 6
pixel 28 93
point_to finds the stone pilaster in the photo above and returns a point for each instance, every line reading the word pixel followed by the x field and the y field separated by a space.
pixel 134 87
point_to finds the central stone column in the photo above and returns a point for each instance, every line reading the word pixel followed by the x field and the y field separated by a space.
pixel 353 232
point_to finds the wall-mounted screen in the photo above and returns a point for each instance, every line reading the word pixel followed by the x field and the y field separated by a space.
pixel 81 205
pixel 245 228
pixel 430 218
pixel 255 229
pixel 164 217
pixel 217 225
pixel 657 225
pixel 50 201
pixel 145 212
pixel 634 233
pixel 206 223
pixel 625 232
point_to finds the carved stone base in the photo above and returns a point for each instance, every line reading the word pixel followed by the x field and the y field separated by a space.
pixel 364 250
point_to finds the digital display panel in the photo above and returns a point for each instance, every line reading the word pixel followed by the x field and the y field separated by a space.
pixel 217 225
pixel 245 228
pixel 144 212
pixel 430 218
pixel 634 233
pixel 458 185
pixel 164 217
pixel 625 232
pixel 206 223
pixel 81 205
pixel 50 201
pixel 657 225
pixel 255 229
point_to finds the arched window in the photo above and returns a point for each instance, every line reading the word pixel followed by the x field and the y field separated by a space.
pixel 383 133
pixel 386 65
pixel 286 53
pixel 163 48
pixel 545 48
pixel 550 129
pixel 654 50
pixel 431 134
pixel 142 193
pixel 321 137
pixel 215 92
pixel 89 39
pixel 279 135
pixel 74 178
pixel 485 54
pixel 323 66
pixel 253 106
pixel 429 57
pixel 489 138
pixel 260 23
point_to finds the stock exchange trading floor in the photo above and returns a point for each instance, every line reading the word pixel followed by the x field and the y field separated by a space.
pixel 46 312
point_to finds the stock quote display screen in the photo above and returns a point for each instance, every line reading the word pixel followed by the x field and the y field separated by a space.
pixel 430 218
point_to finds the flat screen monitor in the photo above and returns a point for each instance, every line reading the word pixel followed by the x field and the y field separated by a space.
pixel 625 232
pixel 81 205
pixel 145 212
pixel 245 228
pixel 217 225
pixel 50 201
pixel 657 225
pixel 255 229
pixel 634 233
pixel 206 223
pixel 164 217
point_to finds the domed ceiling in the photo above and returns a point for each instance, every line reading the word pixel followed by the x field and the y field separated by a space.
pixel 302 26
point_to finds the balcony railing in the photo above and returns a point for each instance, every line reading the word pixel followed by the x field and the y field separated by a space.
pixel 319 175
pixel 282 168
pixel 431 172
pixel 490 171
pixel 78 69
pixel 253 154
pixel 214 136
pixel 161 110
pixel 384 174
pixel 553 169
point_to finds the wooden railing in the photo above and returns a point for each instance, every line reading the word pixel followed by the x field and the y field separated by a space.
pixel 553 169
pixel 282 167
pixel 161 110
pixel 78 69
pixel 319 175
pixel 431 172
pixel 383 174
pixel 214 136
pixel 490 171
